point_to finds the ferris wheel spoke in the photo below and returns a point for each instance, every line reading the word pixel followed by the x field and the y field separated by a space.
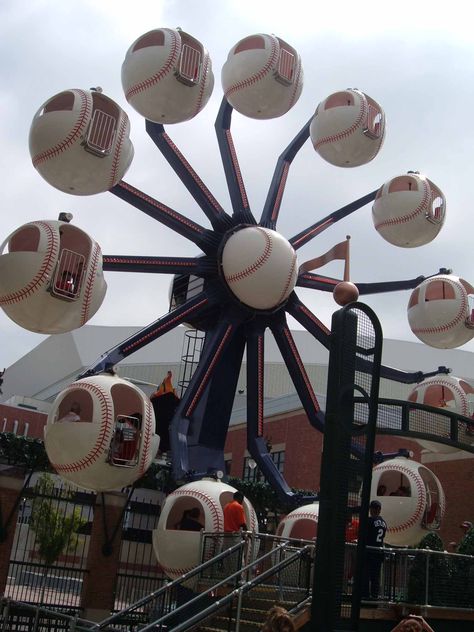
pixel 310 322
pixel 256 443
pixel 201 194
pixel 297 372
pixel 277 187
pixel 388 286
pixel 202 237
pixel 198 266
pixel 316 229
pixel 193 308
pixel 317 281
pixel 327 284
pixel 235 183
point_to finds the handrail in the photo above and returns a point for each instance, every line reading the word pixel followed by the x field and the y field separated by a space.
pixel 245 587
pixel 76 623
pixel 167 587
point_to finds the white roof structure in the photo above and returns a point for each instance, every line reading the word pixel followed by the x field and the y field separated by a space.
pixel 57 361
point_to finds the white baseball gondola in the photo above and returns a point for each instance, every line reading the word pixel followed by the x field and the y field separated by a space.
pixel 412 498
pixel 100 433
pixel 80 142
pixel 51 277
pixel 179 551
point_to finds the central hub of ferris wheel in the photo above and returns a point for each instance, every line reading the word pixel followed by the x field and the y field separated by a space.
pixel 260 267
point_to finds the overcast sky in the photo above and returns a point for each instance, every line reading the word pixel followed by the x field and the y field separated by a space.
pixel 415 58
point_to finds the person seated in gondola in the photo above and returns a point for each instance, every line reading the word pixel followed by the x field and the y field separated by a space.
pixel 126 437
pixel 66 284
pixel 190 520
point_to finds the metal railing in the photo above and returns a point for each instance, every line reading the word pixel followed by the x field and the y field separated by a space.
pixel 16 616
pixel 236 567
pixel 233 569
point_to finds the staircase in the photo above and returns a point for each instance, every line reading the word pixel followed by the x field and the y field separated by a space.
pixel 253 611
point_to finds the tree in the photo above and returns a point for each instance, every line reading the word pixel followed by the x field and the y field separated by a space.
pixel 439 572
pixel 55 529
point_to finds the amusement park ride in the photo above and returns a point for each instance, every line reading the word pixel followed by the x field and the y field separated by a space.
pixel 52 272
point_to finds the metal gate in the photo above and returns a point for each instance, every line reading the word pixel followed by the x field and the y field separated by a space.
pixel 59 584
pixel 139 572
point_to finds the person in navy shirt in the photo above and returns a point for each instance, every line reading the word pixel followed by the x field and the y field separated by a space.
pixel 376 530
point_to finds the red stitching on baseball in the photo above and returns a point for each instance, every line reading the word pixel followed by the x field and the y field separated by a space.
pixel 260 74
pixel 300 364
pixel 304 514
pixel 295 84
pixel 103 439
pixel 166 325
pixel 258 263
pixel 42 276
pixel 177 571
pixel 460 316
pixel 288 280
pixel 146 441
pixel 202 84
pixel 82 120
pixel 171 60
pixel 419 209
pixel 123 129
pixel 89 284
pixel 350 130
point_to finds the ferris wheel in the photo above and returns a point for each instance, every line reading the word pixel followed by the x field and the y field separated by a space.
pixel 247 275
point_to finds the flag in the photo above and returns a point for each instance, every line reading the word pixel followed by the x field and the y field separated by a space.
pixel 339 251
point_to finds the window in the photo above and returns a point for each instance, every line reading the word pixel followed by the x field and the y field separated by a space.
pixel 252 472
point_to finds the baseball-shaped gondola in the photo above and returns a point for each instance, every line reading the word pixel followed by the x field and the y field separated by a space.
pixel 413 501
pixel 179 551
pixel 100 433
pixel 348 128
pixel 79 142
pixel 51 278
pixel 409 210
pixel 262 77
pixel 440 311
pixel 167 76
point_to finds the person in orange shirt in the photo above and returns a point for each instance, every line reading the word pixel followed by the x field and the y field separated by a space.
pixel 234 516
pixel 234 520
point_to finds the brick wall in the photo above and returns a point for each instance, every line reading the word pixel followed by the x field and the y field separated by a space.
pixel 35 420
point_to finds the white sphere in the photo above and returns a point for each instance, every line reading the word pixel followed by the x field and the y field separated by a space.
pixel 260 267
pixel 167 76
pixel 439 313
pixel 409 518
pixel 348 128
pixel 179 551
pixel 84 452
pixel 79 142
pixel 51 277
pixel 409 210
pixel 262 77
pixel 300 524
pixel 449 393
